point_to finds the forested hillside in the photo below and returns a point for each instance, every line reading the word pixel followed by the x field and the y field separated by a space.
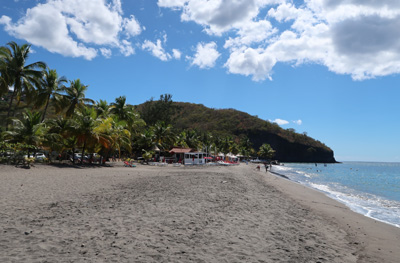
pixel 289 145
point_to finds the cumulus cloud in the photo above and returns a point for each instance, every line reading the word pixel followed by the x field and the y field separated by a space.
pixel 298 122
pixel 217 16
pixel 280 121
pixel 206 55
pixel 76 28
pixel 157 49
pixel 106 52
pixel 354 37
pixel 176 54
pixel 249 61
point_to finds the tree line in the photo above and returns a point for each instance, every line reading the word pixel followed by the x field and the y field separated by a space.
pixel 59 117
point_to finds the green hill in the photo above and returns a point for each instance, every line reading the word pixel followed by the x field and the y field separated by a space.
pixel 289 145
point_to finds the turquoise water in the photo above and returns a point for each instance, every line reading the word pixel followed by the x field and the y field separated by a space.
pixel 372 189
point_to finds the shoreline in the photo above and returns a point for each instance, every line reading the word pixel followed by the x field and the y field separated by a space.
pixel 380 237
pixel 327 193
pixel 178 214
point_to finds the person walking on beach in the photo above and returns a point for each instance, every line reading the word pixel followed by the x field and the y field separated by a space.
pixel 266 167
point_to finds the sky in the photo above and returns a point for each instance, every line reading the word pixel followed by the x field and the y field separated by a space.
pixel 329 68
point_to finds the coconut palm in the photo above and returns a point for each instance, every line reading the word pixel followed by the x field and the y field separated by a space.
pixel 87 135
pixel 126 112
pixel 146 140
pixel 4 77
pixel 245 146
pixel 193 140
pixel 163 135
pixel 266 151
pixel 15 72
pixel 75 97
pixel 226 144
pixel 59 134
pixel 120 109
pixel 102 108
pixel 50 90
pixel 117 133
pixel 181 139
pixel 29 130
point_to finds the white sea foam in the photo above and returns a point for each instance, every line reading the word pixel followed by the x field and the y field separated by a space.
pixel 368 204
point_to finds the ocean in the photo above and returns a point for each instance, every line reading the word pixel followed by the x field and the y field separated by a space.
pixel 368 188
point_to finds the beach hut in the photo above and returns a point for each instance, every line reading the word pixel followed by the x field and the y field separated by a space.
pixel 194 158
pixel 179 153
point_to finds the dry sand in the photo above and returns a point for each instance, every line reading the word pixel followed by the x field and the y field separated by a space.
pixel 179 214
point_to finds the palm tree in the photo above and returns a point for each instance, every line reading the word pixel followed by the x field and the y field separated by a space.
pixel 59 131
pixel 126 112
pixel 4 77
pixel 75 97
pixel 85 130
pixel 119 135
pixel 102 108
pixel 29 130
pixel 246 146
pixel 226 145
pixel 146 140
pixel 181 139
pixel 163 135
pixel 120 109
pixel 192 139
pixel 266 151
pixel 15 72
pixel 50 89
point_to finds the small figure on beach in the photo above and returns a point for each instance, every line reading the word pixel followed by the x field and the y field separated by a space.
pixel 258 167
pixel 266 167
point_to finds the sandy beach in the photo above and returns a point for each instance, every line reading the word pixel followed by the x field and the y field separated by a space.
pixel 179 214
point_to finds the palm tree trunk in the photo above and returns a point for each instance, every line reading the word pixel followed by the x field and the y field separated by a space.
pixel 9 108
pixel 45 108
pixel 83 151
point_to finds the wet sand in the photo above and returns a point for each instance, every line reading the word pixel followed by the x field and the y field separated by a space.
pixel 179 214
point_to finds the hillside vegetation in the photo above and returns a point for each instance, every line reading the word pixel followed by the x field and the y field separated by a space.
pixel 43 111
pixel 289 145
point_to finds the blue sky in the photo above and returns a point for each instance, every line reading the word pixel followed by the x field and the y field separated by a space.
pixel 328 68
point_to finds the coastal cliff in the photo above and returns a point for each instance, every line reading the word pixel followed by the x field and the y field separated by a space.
pixel 289 145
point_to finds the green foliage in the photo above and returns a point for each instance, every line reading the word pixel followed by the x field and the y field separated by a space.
pixel 266 151
pixel 105 128
pixel 162 110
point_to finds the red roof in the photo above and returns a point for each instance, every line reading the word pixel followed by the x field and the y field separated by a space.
pixel 180 150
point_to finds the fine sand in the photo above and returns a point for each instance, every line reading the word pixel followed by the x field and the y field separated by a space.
pixel 179 214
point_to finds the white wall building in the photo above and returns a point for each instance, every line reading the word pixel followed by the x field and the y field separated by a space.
pixel 193 158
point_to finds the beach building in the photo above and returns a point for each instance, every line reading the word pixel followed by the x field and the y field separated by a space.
pixel 178 153
pixel 194 158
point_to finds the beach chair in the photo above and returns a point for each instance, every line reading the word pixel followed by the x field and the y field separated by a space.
pixel 128 164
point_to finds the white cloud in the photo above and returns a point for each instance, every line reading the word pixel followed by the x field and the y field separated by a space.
pixel 126 48
pixel 354 37
pixel 176 54
pixel 156 50
pixel 217 16
pixel 206 55
pixel 252 32
pixel 76 28
pixel 106 52
pixel 298 122
pixel 249 61
pixel 132 27
pixel 280 121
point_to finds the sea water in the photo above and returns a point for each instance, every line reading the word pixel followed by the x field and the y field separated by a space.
pixel 371 189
